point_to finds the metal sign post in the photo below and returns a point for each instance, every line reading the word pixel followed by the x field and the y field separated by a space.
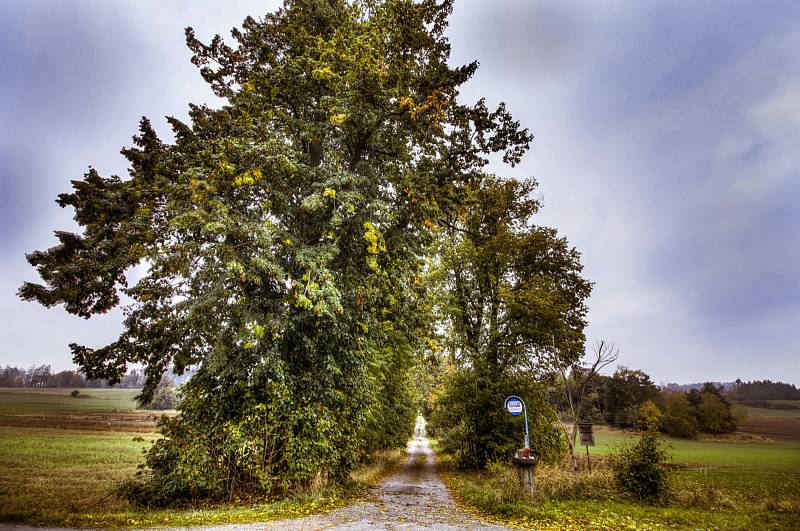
pixel 515 405
pixel 523 459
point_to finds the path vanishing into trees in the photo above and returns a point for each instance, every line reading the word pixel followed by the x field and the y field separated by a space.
pixel 413 498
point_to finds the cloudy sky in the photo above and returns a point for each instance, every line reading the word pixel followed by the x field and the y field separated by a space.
pixel 667 150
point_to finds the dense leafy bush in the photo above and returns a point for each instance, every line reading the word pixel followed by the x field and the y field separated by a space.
pixel 648 416
pixel 639 470
pixel 247 443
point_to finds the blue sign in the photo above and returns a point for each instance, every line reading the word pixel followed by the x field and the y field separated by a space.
pixel 514 406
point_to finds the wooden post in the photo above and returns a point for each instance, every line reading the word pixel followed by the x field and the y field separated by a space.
pixel 588 461
pixel 530 479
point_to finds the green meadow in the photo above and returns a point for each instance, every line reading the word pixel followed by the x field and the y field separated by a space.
pixel 52 474
pixel 740 469
pixel 28 401
pixel 743 481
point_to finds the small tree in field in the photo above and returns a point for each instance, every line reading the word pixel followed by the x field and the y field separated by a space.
pixel 576 385
pixel 715 414
pixel 648 417
pixel 679 417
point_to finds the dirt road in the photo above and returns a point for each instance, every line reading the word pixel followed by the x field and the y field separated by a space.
pixel 413 498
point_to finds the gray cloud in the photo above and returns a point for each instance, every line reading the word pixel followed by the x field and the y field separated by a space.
pixel 665 151
pixel 665 147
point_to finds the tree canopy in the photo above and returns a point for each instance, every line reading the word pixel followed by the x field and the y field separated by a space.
pixel 511 299
pixel 284 238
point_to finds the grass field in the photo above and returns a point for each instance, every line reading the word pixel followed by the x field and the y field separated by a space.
pixel 15 401
pixel 743 471
pixel 734 482
pixel 61 457
pixel 776 409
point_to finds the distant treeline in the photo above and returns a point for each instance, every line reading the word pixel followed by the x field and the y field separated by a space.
pixel 745 391
pixel 764 390
pixel 629 399
pixel 697 386
pixel 41 376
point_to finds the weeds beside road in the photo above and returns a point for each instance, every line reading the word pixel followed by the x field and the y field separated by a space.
pixel 714 485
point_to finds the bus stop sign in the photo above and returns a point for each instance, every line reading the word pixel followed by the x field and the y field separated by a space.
pixel 514 405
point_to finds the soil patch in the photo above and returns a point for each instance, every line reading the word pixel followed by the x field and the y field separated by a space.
pixel 137 421
pixel 776 429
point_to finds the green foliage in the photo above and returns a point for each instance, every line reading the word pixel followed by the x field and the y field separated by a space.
pixel 639 468
pixel 649 416
pixel 285 235
pixel 165 395
pixel 679 419
pixel 508 290
pixel 470 422
pixel 715 414
pixel 396 400
pixel 625 391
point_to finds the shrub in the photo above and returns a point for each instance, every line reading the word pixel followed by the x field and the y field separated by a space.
pixel 74 393
pixel 468 418
pixel 639 470
pixel 685 427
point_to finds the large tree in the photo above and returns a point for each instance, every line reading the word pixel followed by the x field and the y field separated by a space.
pixel 625 392
pixel 512 296
pixel 283 238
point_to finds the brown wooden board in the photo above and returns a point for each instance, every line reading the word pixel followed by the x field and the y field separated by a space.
pixel 587 435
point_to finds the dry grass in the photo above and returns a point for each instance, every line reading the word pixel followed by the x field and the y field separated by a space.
pixel 134 421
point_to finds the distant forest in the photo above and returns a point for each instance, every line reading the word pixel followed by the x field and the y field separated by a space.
pixel 41 376
pixel 746 391
pixel 764 390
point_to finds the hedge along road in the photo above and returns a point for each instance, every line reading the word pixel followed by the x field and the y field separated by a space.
pixel 413 498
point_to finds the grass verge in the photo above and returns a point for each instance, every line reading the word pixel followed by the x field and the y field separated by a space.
pixel 713 486
pixel 62 477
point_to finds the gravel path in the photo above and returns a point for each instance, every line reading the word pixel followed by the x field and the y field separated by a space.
pixel 413 498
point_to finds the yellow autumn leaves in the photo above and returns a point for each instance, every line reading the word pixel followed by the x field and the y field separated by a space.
pixel 248 178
